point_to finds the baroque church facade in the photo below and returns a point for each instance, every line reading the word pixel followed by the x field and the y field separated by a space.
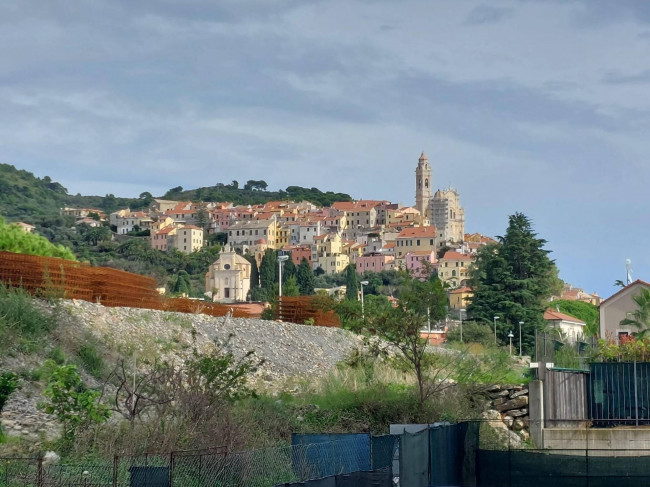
pixel 443 210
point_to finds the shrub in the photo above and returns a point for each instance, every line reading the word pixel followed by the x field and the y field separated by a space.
pixel 473 332
pixel 21 322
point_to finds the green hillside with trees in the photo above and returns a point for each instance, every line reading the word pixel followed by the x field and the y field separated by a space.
pixel 28 198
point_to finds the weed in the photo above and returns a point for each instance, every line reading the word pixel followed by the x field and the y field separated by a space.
pixel 91 360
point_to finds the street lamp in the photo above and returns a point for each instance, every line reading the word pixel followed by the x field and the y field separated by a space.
pixel 520 323
pixel 495 329
pixel 363 314
pixel 510 335
pixel 281 260
pixel 461 311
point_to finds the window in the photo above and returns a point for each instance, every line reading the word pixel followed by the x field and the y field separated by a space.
pixel 418 243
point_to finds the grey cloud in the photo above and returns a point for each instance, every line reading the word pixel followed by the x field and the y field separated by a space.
pixel 485 14
pixel 618 79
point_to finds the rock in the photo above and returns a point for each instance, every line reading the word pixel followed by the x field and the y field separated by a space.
pixel 503 393
pixel 492 415
pixel 518 425
pixel 498 401
pixel 516 403
pixel 522 392
pixel 516 413
pixel 493 388
pixel 525 435
pixel 508 421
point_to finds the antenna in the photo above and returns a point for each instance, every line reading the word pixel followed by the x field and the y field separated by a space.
pixel 628 271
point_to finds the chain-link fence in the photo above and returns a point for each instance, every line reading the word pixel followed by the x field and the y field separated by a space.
pixel 207 468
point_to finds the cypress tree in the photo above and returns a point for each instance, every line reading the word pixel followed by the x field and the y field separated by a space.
pixel 268 271
pixel 305 278
pixel 351 282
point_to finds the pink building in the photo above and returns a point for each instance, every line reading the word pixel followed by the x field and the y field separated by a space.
pixel 417 262
pixel 298 253
pixel 375 262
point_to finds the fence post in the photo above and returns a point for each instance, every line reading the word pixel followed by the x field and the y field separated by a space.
pixel 116 462
pixel 636 397
pixel 39 479
pixel 587 453
pixel 171 469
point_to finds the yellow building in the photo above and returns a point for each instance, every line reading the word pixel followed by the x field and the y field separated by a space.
pixel 453 269
pixel 414 239
pixel 334 264
pixel 188 239
pixel 460 298
pixel 244 234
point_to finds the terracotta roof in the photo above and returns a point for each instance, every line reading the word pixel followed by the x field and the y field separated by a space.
pixel 451 255
pixel 460 290
pixel 390 245
pixel 428 232
pixel 165 230
pixel 420 252
pixel 552 315
pixel 190 227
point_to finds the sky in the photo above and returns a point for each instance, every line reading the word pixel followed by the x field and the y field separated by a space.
pixel 532 106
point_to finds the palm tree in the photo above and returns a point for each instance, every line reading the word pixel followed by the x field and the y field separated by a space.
pixel 640 318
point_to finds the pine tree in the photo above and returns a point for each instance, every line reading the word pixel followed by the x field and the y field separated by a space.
pixel 351 282
pixel 513 280
pixel 305 278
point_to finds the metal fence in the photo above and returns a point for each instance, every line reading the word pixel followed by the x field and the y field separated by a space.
pixel 203 468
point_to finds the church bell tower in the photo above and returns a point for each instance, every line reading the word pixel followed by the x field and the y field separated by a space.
pixel 423 185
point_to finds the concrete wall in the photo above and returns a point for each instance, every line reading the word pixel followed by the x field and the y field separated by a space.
pixel 598 442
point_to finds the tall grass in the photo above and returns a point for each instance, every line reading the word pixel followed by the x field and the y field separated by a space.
pixel 22 324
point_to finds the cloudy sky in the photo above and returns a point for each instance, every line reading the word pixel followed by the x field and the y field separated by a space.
pixel 533 106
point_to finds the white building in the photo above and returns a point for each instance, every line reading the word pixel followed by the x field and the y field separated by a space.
pixel 228 279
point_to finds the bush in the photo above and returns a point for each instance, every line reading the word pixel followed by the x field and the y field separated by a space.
pixel 473 332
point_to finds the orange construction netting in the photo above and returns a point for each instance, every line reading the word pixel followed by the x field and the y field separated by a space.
pixel 59 278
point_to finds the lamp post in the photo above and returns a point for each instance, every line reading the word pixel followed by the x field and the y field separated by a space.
pixel 520 323
pixel 510 335
pixel 281 260
pixel 461 311
pixel 363 312
pixel 495 329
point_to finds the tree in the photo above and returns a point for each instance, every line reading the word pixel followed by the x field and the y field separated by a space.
pixel 288 271
pixel 136 391
pixel 290 287
pixel 401 326
pixel 640 317
pixel 587 312
pixel 351 282
pixel 268 272
pixel 69 400
pixel 305 278
pixel 182 284
pixel 513 280
pixel 202 219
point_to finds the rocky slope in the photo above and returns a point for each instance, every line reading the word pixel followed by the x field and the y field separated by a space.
pixel 289 351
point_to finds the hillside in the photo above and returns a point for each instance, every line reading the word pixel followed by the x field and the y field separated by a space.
pixel 23 196
pixel 94 336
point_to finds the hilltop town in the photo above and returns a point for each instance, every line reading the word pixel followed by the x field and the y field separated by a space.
pixel 372 235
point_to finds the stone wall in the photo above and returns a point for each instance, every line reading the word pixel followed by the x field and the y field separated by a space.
pixel 508 412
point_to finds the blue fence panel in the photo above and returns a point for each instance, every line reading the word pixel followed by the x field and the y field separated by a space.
pixel 331 454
